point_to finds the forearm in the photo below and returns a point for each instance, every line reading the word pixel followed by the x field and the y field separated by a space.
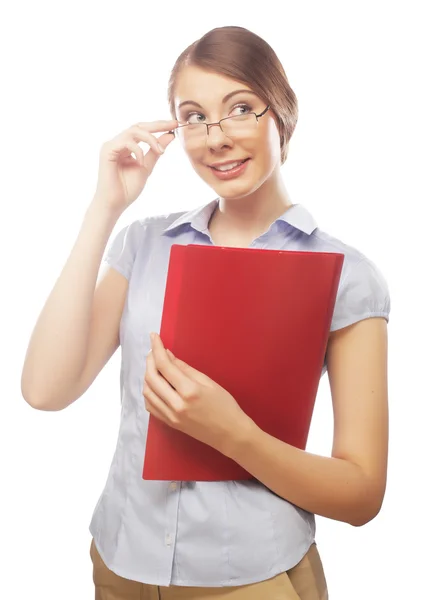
pixel 58 345
pixel 330 487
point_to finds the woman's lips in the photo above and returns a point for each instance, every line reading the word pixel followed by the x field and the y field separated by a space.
pixel 232 173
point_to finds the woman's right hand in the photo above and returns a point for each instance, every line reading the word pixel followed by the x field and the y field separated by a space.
pixel 121 178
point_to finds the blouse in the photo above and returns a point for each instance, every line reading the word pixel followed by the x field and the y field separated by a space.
pixel 218 533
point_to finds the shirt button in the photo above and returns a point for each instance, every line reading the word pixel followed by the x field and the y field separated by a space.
pixel 168 539
pixel 173 486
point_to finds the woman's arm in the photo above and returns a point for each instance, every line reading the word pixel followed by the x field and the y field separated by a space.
pixel 350 485
pixel 57 350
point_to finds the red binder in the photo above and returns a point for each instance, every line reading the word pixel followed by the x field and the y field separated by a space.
pixel 257 322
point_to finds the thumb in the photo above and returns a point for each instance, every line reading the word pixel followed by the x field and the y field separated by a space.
pixel 165 139
pixel 188 369
pixel 151 157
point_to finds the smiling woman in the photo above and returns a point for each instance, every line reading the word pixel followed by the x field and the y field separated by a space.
pixel 234 114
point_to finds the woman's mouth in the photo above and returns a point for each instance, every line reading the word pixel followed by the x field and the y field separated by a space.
pixel 230 173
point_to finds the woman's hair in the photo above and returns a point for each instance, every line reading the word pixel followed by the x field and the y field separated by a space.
pixel 243 56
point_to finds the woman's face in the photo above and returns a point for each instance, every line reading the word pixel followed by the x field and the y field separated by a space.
pixel 200 97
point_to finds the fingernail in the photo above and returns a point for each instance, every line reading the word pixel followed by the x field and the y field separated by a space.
pixel 161 149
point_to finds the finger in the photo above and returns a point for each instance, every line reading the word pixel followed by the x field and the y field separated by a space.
pixel 160 386
pixel 138 152
pixel 151 158
pixel 141 135
pixel 166 139
pixel 188 369
pixel 155 406
pixel 156 126
pixel 171 373
pixel 153 154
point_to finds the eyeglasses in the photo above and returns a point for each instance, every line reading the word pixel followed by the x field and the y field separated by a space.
pixel 234 127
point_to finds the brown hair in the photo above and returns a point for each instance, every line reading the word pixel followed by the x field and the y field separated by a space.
pixel 244 56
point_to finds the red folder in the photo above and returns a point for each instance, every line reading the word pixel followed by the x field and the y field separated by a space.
pixel 257 322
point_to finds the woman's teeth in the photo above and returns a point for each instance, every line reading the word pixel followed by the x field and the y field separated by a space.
pixel 228 167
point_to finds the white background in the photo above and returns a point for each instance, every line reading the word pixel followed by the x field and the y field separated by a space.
pixel 74 75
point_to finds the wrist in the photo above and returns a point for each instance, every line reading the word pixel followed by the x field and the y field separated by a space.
pixel 99 208
pixel 242 438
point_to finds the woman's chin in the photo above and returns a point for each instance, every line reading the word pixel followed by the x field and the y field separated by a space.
pixel 232 189
pixel 239 186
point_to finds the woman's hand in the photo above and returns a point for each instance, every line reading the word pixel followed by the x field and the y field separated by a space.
pixel 121 178
pixel 191 402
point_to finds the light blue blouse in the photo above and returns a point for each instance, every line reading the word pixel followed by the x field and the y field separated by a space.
pixel 208 534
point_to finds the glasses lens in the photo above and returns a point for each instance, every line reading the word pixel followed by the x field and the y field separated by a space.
pixel 193 133
pixel 239 125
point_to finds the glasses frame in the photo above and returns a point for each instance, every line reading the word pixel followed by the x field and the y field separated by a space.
pixel 208 125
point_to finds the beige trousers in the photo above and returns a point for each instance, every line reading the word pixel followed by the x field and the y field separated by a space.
pixel 305 581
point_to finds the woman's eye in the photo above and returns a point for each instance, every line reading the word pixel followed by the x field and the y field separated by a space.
pixel 246 106
pixel 191 118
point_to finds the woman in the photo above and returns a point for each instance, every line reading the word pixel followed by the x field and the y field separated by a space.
pixel 231 103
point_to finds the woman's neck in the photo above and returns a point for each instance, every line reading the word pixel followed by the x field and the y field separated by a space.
pixel 253 214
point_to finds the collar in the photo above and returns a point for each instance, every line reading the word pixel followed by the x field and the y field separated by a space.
pixel 296 216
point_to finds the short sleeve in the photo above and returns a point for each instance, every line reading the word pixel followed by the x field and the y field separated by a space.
pixel 122 249
pixel 364 294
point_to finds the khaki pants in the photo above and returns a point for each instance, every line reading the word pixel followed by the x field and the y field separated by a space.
pixel 305 581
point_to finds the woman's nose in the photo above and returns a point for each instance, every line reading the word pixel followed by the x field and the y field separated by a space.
pixel 216 137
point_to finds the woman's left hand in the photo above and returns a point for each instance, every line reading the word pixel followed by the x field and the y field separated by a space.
pixel 191 402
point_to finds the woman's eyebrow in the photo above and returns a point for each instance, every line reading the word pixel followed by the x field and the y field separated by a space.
pixel 225 99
